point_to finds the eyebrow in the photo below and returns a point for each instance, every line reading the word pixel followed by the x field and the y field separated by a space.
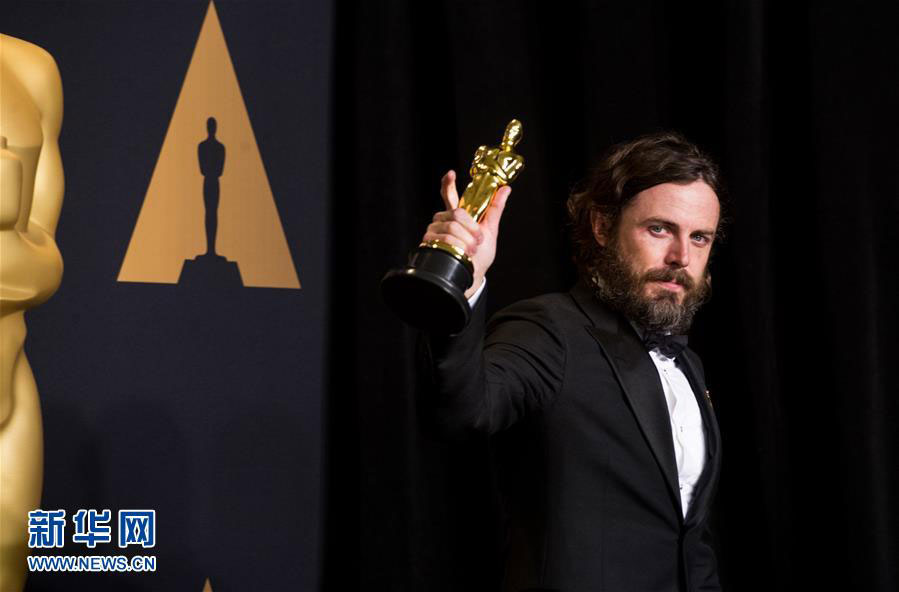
pixel 675 226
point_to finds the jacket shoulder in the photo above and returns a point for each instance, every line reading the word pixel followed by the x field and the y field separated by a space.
pixel 556 307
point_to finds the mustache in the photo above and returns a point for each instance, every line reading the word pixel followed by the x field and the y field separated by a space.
pixel 667 274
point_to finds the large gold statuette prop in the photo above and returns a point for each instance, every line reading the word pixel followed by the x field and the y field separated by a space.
pixel 31 188
pixel 429 293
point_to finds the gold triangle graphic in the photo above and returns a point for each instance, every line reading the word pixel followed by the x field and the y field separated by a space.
pixel 207 586
pixel 172 225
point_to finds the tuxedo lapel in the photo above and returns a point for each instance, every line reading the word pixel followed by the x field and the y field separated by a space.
pixel 639 381
pixel 689 363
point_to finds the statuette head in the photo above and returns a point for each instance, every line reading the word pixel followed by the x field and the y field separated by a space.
pixel 512 135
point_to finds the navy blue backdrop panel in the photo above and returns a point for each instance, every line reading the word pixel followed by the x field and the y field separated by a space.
pixel 199 399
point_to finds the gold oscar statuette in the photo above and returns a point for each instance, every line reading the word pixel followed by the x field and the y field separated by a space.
pixel 31 188
pixel 429 293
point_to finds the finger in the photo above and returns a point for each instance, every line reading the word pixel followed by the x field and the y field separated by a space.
pixel 456 229
pixel 448 190
pixel 452 240
pixel 495 209
pixel 464 218
pixel 461 216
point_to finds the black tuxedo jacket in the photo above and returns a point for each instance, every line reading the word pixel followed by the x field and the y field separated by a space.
pixel 586 455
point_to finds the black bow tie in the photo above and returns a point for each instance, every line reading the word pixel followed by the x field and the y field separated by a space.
pixel 668 345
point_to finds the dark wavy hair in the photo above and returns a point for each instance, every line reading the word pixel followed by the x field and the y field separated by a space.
pixel 625 170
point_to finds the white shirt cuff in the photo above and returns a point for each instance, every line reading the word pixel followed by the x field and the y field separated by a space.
pixel 474 297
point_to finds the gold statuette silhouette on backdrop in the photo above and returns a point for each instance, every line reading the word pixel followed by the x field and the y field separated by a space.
pixel 188 230
pixel 31 189
pixel 429 293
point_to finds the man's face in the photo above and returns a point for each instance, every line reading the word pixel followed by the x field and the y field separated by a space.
pixel 654 267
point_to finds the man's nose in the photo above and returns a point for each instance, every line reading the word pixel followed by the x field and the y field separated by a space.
pixel 678 252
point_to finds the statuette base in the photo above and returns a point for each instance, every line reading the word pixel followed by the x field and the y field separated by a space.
pixel 429 293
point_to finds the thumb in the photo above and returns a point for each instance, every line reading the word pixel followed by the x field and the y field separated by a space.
pixel 495 209
pixel 448 191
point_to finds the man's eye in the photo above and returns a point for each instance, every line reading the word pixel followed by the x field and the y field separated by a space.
pixel 657 229
pixel 701 238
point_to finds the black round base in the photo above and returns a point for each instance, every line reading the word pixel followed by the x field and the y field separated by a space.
pixel 429 293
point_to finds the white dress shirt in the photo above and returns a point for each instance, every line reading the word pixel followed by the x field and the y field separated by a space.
pixel 687 431
pixel 477 294
pixel 686 425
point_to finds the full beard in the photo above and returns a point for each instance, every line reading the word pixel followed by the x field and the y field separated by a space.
pixel 624 290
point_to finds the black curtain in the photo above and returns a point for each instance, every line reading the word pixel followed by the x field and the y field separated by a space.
pixel 798 101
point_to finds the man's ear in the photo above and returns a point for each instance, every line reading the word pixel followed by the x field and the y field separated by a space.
pixel 600 224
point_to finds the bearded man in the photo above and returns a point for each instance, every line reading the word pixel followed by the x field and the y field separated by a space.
pixel 608 446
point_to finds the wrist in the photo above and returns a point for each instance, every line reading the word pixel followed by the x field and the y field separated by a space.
pixel 475 285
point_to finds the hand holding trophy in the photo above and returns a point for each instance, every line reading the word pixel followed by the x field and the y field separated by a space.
pixel 459 245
